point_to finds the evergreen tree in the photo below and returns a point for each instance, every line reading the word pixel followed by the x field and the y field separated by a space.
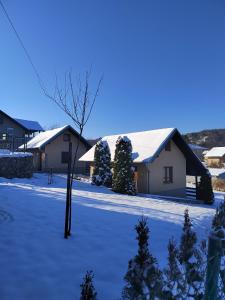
pixel 205 190
pixel 218 228
pixel 218 223
pixel 102 174
pixel 174 286
pixel 143 278
pixel 87 288
pixel 191 259
pixel 123 171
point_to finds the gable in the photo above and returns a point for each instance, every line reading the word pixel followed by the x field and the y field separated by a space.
pixel 46 137
pixel 8 122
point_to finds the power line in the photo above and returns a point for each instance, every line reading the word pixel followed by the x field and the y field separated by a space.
pixel 23 46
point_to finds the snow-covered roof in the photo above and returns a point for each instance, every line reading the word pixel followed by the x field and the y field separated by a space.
pixel 44 137
pixel 196 147
pixel 217 172
pixel 145 144
pixel 14 154
pixel 216 152
pixel 30 125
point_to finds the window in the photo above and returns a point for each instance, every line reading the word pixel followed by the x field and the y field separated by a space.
pixel 168 146
pixel 66 137
pixel 10 131
pixel 1 120
pixel 64 157
pixel 168 175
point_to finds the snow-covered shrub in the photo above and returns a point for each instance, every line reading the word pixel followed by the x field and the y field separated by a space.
pixel 87 288
pixel 205 190
pixel 123 171
pixel 218 230
pixel 173 275
pixel 102 174
pixel 143 278
pixel 191 259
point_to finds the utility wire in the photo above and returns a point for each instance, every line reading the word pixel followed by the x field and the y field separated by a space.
pixel 23 46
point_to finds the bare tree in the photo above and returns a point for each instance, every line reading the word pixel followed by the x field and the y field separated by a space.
pixel 77 102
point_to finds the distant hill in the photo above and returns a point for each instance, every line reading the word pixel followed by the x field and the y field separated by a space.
pixel 206 138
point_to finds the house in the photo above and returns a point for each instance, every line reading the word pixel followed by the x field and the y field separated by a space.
pixel 215 157
pixel 50 149
pixel 14 132
pixel 162 159
pixel 198 150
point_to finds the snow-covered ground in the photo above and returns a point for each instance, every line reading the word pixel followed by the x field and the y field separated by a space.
pixel 36 262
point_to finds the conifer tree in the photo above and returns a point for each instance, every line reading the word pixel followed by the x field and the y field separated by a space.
pixel 191 259
pixel 143 278
pixel 123 171
pixel 205 190
pixel 87 288
pixel 174 281
pixel 102 174
pixel 218 228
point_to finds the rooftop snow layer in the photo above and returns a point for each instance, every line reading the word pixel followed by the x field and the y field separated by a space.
pixel 15 154
pixel 30 125
pixel 216 152
pixel 217 172
pixel 43 137
pixel 196 147
pixel 145 144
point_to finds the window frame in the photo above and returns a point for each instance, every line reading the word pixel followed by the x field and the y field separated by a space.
pixel 64 157
pixel 66 137
pixel 168 175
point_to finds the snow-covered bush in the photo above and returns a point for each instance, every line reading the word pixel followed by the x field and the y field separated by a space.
pixel 218 230
pixel 102 174
pixel 191 260
pixel 123 171
pixel 205 190
pixel 173 275
pixel 143 278
pixel 87 288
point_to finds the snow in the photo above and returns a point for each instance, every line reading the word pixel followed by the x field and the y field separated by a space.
pixel 217 172
pixel 30 125
pixel 14 154
pixel 43 138
pixel 144 144
pixel 216 152
pixel 196 147
pixel 38 263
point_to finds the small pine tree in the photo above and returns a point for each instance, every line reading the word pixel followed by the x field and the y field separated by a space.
pixel 218 228
pixel 123 171
pixel 191 259
pixel 205 190
pixel 174 282
pixel 87 288
pixel 102 174
pixel 143 278
pixel 218 223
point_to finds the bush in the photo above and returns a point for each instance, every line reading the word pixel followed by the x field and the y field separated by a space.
pixel 205 190
pixel 218 185
pixel 123 171
pixel 143 278
pixel 102 165
pixel 87 288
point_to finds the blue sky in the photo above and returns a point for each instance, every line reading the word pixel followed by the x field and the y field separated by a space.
pixel 163 61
